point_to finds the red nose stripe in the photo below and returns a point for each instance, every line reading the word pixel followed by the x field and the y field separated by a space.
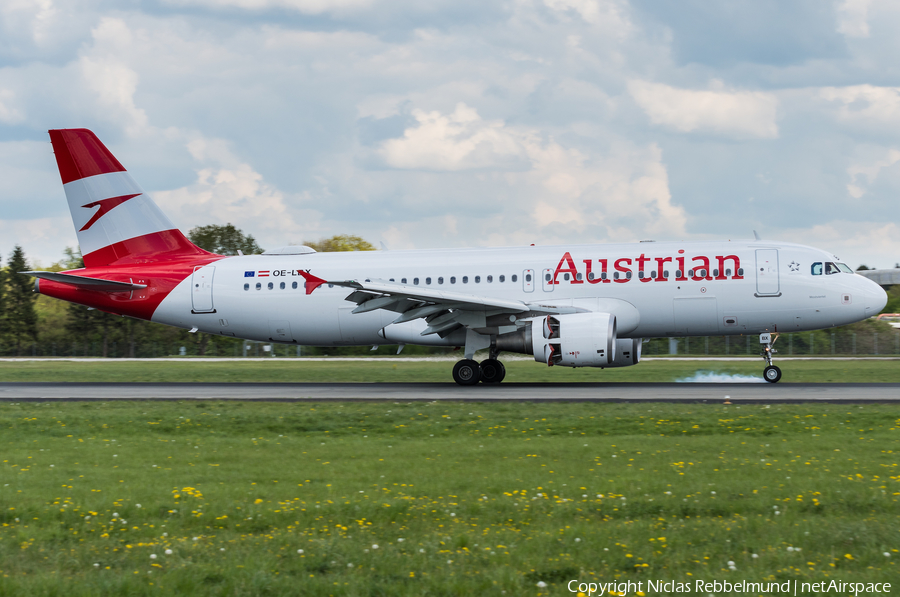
pixel 79 154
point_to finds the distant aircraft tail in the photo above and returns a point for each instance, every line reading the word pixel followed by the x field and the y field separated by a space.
pixel 115 221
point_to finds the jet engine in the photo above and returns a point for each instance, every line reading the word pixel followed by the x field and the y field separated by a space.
pixel 575 340
pixel 628 352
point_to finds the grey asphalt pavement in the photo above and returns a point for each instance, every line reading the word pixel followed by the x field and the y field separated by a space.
pixel 598 392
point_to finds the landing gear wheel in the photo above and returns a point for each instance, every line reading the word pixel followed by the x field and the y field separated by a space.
pixel 492 371
pixel 772 374
pixel 466 372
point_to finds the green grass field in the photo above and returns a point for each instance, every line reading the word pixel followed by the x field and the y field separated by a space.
pixel 390 370
pixel 233 498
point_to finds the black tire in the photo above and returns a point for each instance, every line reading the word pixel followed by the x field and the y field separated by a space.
pixel 467 372
pixel 492 371
pixel 772 374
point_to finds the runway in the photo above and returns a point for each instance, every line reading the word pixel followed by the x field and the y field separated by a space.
pixel 592 392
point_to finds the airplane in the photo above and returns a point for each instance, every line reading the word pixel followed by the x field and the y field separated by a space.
pixel 567 306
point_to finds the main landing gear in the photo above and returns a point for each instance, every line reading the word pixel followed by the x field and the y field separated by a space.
pixel 771 373
pixel 468 372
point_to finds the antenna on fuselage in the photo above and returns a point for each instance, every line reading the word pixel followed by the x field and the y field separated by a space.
pixel 756 236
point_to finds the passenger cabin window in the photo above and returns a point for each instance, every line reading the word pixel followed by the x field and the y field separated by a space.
pixel 816 268
pixel 831 268
pixel 403 280
pixel 453 279
pixel 490 279
pixel 477 279
pixel 627 275
pixel 281 286
pixel 294 285
pixel 465 279
pixel 728 272
pixel 258 286
pixel 246 287
pixel 440 280
pixel 515 278
pixel 428 280
pixel 416 281
pixel 716 272
pixel 678 273
pixel 502 279
pixel 603 276
pixel 641 274
pixel 271 285
pixel 565 277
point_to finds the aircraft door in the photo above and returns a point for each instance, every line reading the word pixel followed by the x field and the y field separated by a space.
pixel 547 280
pixel 528 280
pixel 767 283
pixel 202 289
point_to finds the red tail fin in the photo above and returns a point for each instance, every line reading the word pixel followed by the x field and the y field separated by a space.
pixel 115 221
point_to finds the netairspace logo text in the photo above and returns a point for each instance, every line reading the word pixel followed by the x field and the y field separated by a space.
pixel 790 587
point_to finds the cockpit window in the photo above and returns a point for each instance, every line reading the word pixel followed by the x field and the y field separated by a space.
pixel 845 268
pixel 817 268
pixel 831 268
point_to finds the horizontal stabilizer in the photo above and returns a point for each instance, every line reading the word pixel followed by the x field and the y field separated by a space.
pixel 84 283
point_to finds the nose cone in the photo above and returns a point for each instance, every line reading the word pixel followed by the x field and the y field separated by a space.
pixel 876 299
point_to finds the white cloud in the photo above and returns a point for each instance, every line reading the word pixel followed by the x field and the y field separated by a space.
pixel 227 190
pixel 852 17
pixel 302 6
pixel 457 141
pixel 865 103
pixel 736 113
pixel 874 243
pixel 106 74
pixel 8 113
pixel 610 14
pixel 33 16
pixel 863 176
pixel 620 195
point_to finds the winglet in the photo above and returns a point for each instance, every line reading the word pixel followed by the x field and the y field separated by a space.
pixel 312 282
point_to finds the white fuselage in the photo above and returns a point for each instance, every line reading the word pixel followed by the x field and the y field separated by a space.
pixel 696 289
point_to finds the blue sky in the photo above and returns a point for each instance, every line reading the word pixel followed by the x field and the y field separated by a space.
pixel 462 123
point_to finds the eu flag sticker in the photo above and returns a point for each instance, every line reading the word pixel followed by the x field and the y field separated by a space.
pixel 249 274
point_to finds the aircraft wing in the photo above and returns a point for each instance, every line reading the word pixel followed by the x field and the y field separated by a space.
pixel 443 310
pixel 85 283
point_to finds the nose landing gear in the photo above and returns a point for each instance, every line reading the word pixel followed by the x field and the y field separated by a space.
pixel 771 373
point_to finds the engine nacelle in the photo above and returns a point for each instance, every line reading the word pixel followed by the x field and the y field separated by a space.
pixel 575 340
pixel 628 352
